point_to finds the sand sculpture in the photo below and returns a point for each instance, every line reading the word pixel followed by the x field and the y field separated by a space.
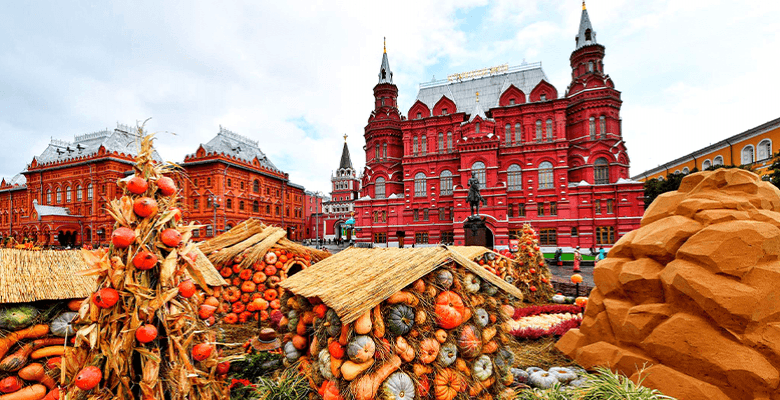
pixel 694 293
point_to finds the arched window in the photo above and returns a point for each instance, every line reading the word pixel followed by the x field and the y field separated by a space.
pixel 603 126
pixel 476 128
pixel 79 193
pixel 48 196
pixel 686 171
pixel 590 66
pixel 549 130
pixel 209 230
pixel 256 186
pixel 379 188
pixel 706 164
pixel 424 144
pixel 592 128
pixel 514 181
pixel 68 196
pixel 449 142
pixel 478 170
pixel 376 151
pixel 717 161
pixel 59 195
pixel 508 134
pixel 518 133
pixel 229 203
pixel 255 206
pixel 241 205
pixel 601 171
pixel 765 149
pixel 545 175
pixel 267 209
pixel 445 183
pixel 419 185
pixel 414 145
pixel 384 151
pixel 441 142
pixel 748 155
pixel 539 131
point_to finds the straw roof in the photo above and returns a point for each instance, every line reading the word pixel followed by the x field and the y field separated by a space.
pixel 355 280
pixel 206 268
pixel 27 276
pixel 253 239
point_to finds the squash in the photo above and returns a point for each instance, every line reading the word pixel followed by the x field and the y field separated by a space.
pixel 470 342
pixel 291 353
pixel 398 386
pixel 333 323
pixel 366 387
pixel 335 366
pixel 53 394
pixel 520 375
pixel 444 278
pixel 447 354
pixel 490 347
pixel 489 333
pixel 483 319
pixel 420 369
pixel 488 288
pixel 379 324
pixel 16 360
pixel 447 385
pixel 17 317
pixel 449 310
pixel 34 392
pixel 420 317
pixel 478 387
pixel 361 349
pixel 330 391
pixel 400 319
pixel 482 369
pixel 336 350
pixel 563 375
pixel 36 373
pixel 403 349
pixel 363 324
pixel 441 335
pixel 429 350
pixel 419 286
pixel 542 379
pixel 48 352
pixel 461 366
pixel 61 325
pixel 531 370
pixel 559 299
pixel 350 369
pixel 10 384
pixel 324 365
pixel 471 283
pixel 407 298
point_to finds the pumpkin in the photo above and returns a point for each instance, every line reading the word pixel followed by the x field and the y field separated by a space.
pixel 166 185
pixel 146 333
pixel 579 382
pixel 137 185
pixel 520 376
pixel 291 353
pixel 330 391
pixel 403 349
pixel 187 288
pixel 106 297
pixel 470 341
pixel 531 370
pixel 361 349
pixel 482 317
pixel 336 350
pixel 419 286
pixel 542 379
pixel 400 319
pixel 488 288
pixel 10 384
pixel 145 260
pixel 60 326
pixel 122 237
pixel 398 386
pixel 429 350
pixel 88 378
pixel 324 365
pixel 17 317
pixel 447 385
pixel 563 375
pixel 449 310
pixel 270 258
pixel 201 351
pixel 333 323
pixel 471 283
pixel 444 278
pixel 447 354
pixel 482 368
pixel 441 335
pixel 350 370
pixel 170 237
pixel 559 299
pixel 300 342
pixel 581 301
pixel 145 206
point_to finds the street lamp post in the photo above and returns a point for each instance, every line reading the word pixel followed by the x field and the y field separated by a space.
pixel 214 200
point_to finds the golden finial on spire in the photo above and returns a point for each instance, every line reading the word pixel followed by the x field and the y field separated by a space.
pixel 345 138
pixel 477 97
pixel 583 5
pixel 385 45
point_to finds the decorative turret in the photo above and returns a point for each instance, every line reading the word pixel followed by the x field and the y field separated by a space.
pixel 587 58
pixel 346 162
pixel 586 35
pixel 385 75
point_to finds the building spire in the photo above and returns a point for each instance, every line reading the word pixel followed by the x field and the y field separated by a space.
pixel 346 161
pixel 586 35
pixel 385 75
pixel 345 138
pixel 385 38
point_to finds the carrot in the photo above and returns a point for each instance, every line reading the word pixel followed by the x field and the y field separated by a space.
pixel 48 352
pixel 36 372
pixel 17 359
pixel 34 331
pixel 34 392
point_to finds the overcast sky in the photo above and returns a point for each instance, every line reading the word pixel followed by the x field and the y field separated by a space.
pixel 296 76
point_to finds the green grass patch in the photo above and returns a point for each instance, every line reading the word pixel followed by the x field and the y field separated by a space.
pixel 568 257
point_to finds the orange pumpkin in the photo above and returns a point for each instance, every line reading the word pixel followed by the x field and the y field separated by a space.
pixel 270 295
pixel 232 294
pixel 166 185
pixel 248 286
pixel 88 378
pixel 447 385
pixel 10 384
pixel 449 310
pixel 106 297
pixel 187 288
pixel 470 341
pixel 144 260
pixel 270 270
pixel 226 272
pixel 170 237
pixel 231 318
pixel 137 185
pixel 238 307
pixel 144 207
pixel 146 333
pixel 212 301
pixel 441 335
pixel 258 277
pixel 275 304
pixel 122 237
pixel 245 274
pixel 429 350
pixel 201 351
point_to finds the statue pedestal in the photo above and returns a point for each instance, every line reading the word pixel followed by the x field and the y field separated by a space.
pixel 476 233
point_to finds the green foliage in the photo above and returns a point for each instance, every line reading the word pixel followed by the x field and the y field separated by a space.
pixel 254 366
pixel 604 385
pixel 554 393
pixel 656 187
pixel 291 385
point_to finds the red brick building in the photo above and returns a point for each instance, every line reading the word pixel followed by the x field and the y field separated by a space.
pixel 338 211
pixel 559 163
pixel 60 198
pixel 312 214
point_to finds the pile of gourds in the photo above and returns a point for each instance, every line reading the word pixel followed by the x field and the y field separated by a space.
pixel 31 349
pixel 254 292
pixel 441 336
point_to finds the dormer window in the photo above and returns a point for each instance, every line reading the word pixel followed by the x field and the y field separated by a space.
pixel 543 97
pixel 443 111
pixel 511 102
pixel 590 66
pixel 419 115
pixel 384 74
pixel 587 34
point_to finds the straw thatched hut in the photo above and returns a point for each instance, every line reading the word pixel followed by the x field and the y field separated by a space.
pixel 413 323
pixel 253 258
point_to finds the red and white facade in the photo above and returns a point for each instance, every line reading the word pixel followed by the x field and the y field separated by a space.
pixel 558 163
pixel 337 222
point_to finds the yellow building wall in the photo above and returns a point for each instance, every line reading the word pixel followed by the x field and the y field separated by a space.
pixel 759 166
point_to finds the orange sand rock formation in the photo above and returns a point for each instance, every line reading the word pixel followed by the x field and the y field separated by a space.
pixel 694 294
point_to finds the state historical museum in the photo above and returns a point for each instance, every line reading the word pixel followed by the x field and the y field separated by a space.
pixel 558 163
